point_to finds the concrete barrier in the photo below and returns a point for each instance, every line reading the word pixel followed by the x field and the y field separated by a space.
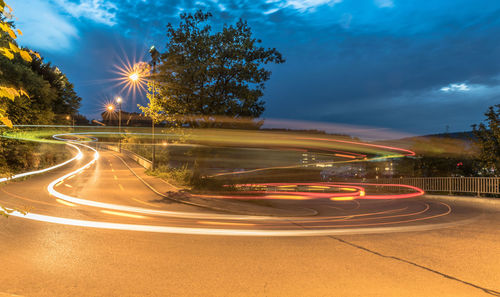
pixel 139 159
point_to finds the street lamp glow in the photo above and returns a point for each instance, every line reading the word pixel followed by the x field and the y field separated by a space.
pixel 110 107
pixel 134 76
pixel 119 100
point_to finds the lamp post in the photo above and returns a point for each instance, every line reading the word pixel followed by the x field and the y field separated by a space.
pixel 134 76
pixel 155 54
pixel 119 101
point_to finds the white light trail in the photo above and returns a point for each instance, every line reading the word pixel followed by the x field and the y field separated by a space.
pixel 234 232
pixel 71 199
pixel 78 156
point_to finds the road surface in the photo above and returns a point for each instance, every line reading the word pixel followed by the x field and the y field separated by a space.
pixel 452 255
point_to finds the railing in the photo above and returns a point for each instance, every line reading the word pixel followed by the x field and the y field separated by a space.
pixel 450 185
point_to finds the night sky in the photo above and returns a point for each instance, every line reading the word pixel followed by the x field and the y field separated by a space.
pixel 412 66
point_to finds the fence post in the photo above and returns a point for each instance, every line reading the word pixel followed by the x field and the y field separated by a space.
pixel 449 185
pixel 478 186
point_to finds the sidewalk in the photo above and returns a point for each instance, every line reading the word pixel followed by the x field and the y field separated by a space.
pixel 171 192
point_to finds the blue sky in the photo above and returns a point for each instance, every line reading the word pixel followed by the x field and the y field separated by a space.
pixel 413 66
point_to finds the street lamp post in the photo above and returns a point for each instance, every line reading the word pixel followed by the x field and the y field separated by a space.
pixel 154 57
pixel 134 76
pixel 119 101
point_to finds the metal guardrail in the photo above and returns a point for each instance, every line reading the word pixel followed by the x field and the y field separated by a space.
pixel 476 185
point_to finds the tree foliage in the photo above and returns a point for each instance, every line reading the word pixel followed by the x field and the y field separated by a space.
pixel 205 74
pixel 488 139
pixel 9 49
pixel 22 71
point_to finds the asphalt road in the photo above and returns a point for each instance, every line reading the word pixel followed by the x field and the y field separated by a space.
pixel 47 259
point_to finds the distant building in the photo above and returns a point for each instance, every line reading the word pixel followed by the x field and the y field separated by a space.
pixel 131 119
pixel 308 159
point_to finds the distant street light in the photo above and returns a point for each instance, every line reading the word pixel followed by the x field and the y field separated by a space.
pixel 110 108
pixel 68 117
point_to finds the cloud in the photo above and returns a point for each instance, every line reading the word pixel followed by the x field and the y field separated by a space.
pixel 271 11
pixel 345 20
pixel 384 3
pixel 422 111
pixel 303 5
pixel 462 87
pixel 43 27
pixel 99 11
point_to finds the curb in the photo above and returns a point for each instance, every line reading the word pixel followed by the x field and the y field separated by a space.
pixel 159 193
pixel 495 202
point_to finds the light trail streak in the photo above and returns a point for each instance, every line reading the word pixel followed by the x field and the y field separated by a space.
pixel 25 198
pixel 288 191
pixel 125 208
pixel 78 156
pixel 122 214
pixel 145 203
pixel 224 223
pixel 372 216
pixel 239 232
pixel 355 190
pixel 418 191
pixel 345 156
pixel 66 203
pixel 447 212
pixel 408 152
pixel 341 198
pixel 287 197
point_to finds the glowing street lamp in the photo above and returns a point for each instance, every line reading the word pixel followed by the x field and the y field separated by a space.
pixel 134 76
pixel 110 107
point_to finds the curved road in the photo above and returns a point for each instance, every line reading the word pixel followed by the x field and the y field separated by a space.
pixel 441 248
